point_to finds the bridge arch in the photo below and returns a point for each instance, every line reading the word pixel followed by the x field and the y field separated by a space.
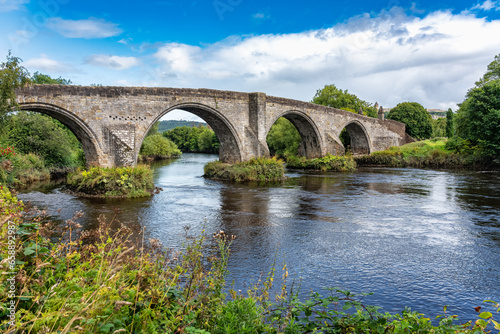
pixel 312 142
pixel 231 148
pixel 87 137
pixel 359 140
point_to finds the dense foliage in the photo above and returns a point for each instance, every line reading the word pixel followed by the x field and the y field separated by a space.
pixel 33 132
pixel 450 124
pixel 326 163
pixel 478 119
pixel 44 79
pixel 435 153
pixel 12 76
pixel 158 147
pixel 334 97
pixel 101 281
pixel 439 127
pixel 256 169
pixel 194 140
pixel 130 182
pixel 417 120
pixel 283 138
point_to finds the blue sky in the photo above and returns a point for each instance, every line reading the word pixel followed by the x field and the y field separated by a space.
pixel 390 51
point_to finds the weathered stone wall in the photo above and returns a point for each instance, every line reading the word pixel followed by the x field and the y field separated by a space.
pixel 112 122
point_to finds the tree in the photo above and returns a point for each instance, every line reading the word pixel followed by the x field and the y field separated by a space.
pixel 283 138
pixel 12 76
pixel 153 130
pixel 45 136
pixel 492 73
pixel 418 121
pixel 439 127
pixel 334 97
pixel 478 119
pixel 44 79
pixel 449 123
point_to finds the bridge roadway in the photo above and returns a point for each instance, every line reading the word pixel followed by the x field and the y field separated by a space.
pixel 111 122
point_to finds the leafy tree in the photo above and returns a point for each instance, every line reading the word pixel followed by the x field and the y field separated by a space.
pixel 12 76
pixel 334 97
pixel 417 119
pixel 198 140
pixel 449 123
pixel 283 138
pixel 478 119
pixel 439 127
pixel 45 136
pixel 492 73
pixel 158 146
pixel 44 79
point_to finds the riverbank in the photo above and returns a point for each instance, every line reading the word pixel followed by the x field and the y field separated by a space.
pixel 256 169
pixel 100 281
pixel 119 182
pixel 432 153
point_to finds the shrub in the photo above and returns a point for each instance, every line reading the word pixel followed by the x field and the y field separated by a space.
pixel 256 169
pixel 158 147
pixel 326 163
pixel 128 182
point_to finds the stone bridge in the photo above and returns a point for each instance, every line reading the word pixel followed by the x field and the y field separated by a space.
pixel 111 122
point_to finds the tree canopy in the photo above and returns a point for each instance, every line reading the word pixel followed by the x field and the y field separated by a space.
pixel 283 139
pixel 492 72
pixel 12 76
pixel 334 97
pixel 44 79
pixel 417 120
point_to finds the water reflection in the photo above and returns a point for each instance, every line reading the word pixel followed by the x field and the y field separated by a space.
pixel 418 238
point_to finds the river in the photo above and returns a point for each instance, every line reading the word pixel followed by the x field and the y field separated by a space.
pixel 414 237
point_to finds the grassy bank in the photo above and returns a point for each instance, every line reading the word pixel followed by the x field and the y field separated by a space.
pixel 100 281
pixel 327 163
pixel 130 182
pixel 257 169
pixel 19 169
pixel 427 153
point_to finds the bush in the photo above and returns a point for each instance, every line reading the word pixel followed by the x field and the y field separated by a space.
pixel 327 163
pixel 256 169
pixel 130 182
pixel 194 140
pixel 20 169
pixel 158 147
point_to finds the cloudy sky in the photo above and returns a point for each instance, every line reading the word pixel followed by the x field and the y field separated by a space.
pixel 390 51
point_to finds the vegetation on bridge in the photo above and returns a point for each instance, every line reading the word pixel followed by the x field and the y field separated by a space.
pixel 101 281
pixel 327 163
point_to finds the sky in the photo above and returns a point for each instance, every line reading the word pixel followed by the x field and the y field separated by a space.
pixel 388 52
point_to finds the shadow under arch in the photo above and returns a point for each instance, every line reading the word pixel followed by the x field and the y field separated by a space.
pixel 311 144
pixel 81 130
pixel 230 149
pixel 360 143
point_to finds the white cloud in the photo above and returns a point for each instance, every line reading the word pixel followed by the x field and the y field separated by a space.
pixel 90 28
pixel 388 58
pixel 47 65
pixel 114 62
pixel 10 5
pixel 488 5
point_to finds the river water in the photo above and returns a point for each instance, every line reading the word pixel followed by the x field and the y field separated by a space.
pixel 413 237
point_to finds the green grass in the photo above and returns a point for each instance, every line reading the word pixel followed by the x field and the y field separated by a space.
pixel 256 169
pixel 130 182
pixel 326 163
pixel 426 153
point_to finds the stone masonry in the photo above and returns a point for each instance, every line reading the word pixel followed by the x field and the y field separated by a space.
pixel 111 122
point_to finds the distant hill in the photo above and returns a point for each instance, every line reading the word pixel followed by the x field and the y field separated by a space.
pixel 169 125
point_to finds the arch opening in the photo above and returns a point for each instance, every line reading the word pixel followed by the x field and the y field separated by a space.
pixel 355 139
pixel 81 131
pixel 230 150
pixel 308 142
